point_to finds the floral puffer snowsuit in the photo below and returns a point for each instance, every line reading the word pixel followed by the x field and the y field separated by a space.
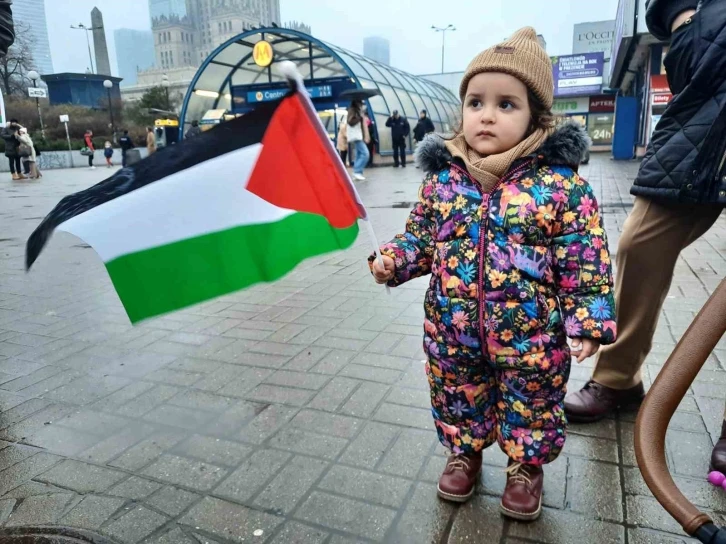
pixel 535 252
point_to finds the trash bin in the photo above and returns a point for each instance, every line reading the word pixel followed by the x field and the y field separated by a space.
pixel 132 157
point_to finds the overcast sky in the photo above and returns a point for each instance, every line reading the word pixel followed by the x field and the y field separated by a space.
pixel 406 23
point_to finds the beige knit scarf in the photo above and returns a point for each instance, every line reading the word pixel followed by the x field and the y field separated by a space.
pixel 488 170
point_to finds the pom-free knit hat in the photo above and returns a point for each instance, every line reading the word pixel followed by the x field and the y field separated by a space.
pixel 520 56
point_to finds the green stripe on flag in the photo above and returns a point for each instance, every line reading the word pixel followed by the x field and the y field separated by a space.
pixel 158 280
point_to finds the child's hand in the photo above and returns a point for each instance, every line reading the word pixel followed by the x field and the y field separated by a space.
pixel 584 348
pixel 383 274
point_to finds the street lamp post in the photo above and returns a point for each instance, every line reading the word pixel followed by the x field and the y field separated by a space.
pixel 165 83
pixel 109 85
pixel 81 26
pixel 34 77
pixel 443 31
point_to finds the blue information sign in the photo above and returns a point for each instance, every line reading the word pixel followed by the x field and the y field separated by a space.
pixel 268 95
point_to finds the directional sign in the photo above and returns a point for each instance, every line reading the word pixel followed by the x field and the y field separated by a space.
pixel 37 92
pixel 64 119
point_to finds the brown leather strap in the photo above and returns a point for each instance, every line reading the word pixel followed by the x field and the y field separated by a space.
pixel 664 397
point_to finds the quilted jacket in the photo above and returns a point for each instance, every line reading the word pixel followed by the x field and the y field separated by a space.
pixel 686 158
pixel 514 271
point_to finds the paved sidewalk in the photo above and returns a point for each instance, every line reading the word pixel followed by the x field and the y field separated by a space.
pixel 296 412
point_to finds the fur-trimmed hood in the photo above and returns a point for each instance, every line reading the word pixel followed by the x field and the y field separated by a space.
pixel 567 146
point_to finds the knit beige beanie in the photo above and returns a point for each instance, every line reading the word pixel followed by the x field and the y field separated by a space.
pixel 520 56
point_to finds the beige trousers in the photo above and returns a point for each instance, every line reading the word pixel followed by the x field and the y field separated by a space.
pixel 652 238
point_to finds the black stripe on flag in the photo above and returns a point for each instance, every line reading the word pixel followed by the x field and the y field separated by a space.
pixel 222 139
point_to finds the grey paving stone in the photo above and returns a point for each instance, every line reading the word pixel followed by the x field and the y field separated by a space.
pixel 370 373
pixel 365 400
pixel 308 443
pixel 185 472
pixel 40 510
pixel 370 445
pixel 347 515
pixel 93 422
pixel 307 358
pixel 333 362
pixel 214 450
pixel 478 520
pixel 333 394
pixel 137 524
pixel 408 453
pixel 175 536
pixel 266 423
pixel 6 508
pixel 174 377
pixel 148 400
pixel 176 416
pixel 290 485
pixel 646 536
pixel 280 395
pixel 689 453
pixel 594 489
pixel 404 415
pixel 146 451
pixel 301 380
pixel 172 500
pixel 230 521
pixel 561 527
pixel 591 448
pixel 245 382
pixel 134 488
pixel 106 450
pixel 293 532
pixel 201 400
pixel 92 512
pixel 81 477
pixel 373 487
pixel 647 512
pixel 326 423
pixel 254 473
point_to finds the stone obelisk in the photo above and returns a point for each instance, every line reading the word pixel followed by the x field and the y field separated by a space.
pixel 103 66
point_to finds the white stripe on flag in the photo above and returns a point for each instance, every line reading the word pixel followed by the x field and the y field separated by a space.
pixel 208 197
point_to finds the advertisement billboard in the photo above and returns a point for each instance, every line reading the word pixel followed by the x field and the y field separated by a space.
pixel 594 37
pixel 578 75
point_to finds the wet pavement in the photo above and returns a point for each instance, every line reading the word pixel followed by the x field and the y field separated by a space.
pixel 295 412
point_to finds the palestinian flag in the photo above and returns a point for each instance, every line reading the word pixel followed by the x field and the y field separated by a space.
pixel 240 204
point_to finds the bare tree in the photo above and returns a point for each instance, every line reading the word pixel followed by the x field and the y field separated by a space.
pixel 17 63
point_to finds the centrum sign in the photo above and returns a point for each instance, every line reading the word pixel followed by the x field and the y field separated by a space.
pixel 268 95
pixel 578 75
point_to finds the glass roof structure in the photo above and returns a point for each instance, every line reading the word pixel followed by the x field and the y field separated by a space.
pixel 230 81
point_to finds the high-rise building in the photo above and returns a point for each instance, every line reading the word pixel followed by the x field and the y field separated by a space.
pixel 103 65
pixel 378 49
pixel 135 52
pixel 167 8
pixel 186 32
pixel 29 16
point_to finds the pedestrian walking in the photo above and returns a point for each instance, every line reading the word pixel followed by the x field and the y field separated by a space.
pixel 150 140
pixel 10 135
pixel 372 142
pixel 680 191
pixel 26 150
pixel 108 153
pixel 194 130
pixel 342 143
pixel 126 144
pixel 520 261
pixel 400 129
pixel 90 149
pixel 358 137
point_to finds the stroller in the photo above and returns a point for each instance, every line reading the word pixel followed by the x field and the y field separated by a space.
pixel 663 398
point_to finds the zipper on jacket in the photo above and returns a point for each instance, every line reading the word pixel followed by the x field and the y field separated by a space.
pixel 483 226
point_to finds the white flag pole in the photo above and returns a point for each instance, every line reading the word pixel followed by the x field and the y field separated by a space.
pixel 291 73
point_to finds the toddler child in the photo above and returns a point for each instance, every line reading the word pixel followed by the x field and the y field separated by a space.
pixel 519 261
pixel 108 153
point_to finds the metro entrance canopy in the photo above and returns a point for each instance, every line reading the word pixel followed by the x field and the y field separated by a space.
pixel 244 72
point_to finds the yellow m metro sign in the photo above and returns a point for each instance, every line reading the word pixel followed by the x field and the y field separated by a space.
pixel 262 53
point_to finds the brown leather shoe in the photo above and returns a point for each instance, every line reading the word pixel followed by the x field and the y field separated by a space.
pixel 594 401
pixel 459 478
pixel 522 498
pixel 718 455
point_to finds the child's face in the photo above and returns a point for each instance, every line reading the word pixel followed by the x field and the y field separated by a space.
pixel 496 113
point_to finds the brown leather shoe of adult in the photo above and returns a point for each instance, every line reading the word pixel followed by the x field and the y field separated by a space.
pixel 718 455
pixel 594 401
pixel 459 478
pixel 522 498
